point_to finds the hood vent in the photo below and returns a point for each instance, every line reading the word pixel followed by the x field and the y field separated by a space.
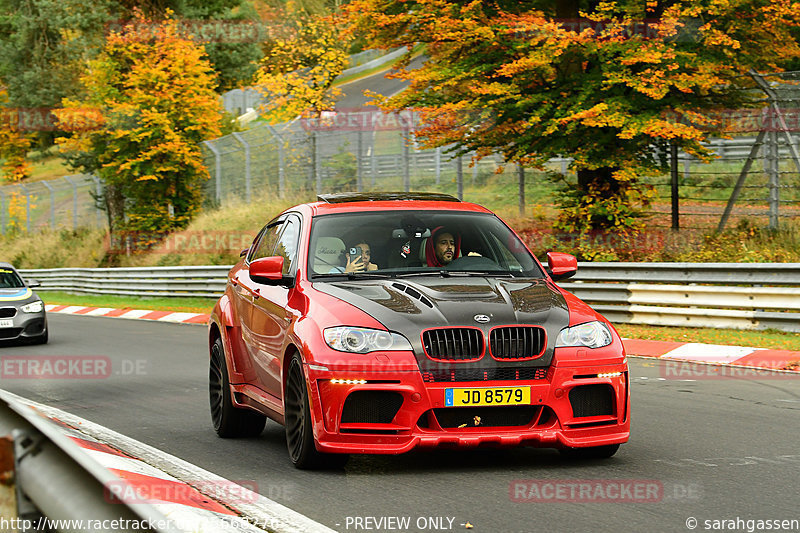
pixel 414 293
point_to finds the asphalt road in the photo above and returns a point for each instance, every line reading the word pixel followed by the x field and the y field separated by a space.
pixel 715 449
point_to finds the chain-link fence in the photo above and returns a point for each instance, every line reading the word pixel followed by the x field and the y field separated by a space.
pixel 754 175
pixel 66 202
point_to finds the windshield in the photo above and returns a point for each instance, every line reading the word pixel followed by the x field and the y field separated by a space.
pixel 415 243
pixel 9 279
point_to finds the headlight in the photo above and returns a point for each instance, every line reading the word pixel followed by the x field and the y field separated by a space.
pixel 33 307
pixel 364 340
pixel 591 335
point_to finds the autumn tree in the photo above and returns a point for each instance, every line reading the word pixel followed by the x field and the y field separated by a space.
pixel 304 55
pixel 600 82
pixel 153 93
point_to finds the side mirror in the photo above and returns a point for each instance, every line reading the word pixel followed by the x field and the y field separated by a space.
pixel 244 252
pixel 33 283
pixel 561 266
pixel 267 270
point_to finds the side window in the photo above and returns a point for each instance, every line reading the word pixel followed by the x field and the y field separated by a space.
pixel 266 244
pixel 286 246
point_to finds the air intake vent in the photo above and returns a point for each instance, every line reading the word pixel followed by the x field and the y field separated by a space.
pixel 453 344
pixel 518 342
pixel 592 400
pixel 8 312
pixel 371 407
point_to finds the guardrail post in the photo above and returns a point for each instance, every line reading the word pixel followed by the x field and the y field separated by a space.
pixel 247 187
pixel 74 202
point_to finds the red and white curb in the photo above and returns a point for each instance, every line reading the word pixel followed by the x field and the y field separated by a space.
pixel 715 354
pixel 141 314
pixel 193 499
pixel 680 351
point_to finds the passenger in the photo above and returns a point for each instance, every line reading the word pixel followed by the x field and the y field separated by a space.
pixel 366 255
pixel 442 247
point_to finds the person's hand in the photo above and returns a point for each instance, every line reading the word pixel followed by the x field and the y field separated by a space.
pixel 354 266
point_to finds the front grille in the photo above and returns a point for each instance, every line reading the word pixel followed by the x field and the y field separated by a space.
pixel 10 333
pixel 517 342
pixel 453 344
pixel 8 312
pixel 592 400
pixel 484 374
pixel 371 407
pixel 453 417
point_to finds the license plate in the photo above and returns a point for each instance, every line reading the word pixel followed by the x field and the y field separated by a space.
pixel 487 396
pixel 6 323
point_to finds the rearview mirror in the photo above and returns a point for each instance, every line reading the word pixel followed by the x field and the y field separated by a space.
pixel 561 266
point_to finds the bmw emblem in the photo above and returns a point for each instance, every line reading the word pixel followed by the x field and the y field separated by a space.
pixel 483 319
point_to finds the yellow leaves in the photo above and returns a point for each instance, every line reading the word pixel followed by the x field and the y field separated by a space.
pixel 597 116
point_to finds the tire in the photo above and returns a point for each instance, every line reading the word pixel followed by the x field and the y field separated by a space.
pixel 592 452
pixel 40 339
pixel 299 431
pixel 229 421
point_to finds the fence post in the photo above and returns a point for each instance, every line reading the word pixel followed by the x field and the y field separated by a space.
pixel 248 191
pixel 373 160
pixel 317 163
pixel 460 177
pixel 281 170
pixel 406 173
pixel 3 213
pixel 673 172
pixel 52 204
pixel 521 175
pixel 358 160
pixel 74 202
pixel 27 208
pixel 98 187
pixel 217 171
pixel 474 168
pixel 438 159
pixel 774 184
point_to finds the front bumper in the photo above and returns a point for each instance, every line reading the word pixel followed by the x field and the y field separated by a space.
pixel 395 412
pixel 23 326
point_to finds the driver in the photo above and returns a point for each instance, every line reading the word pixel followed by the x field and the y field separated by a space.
pixel 442 247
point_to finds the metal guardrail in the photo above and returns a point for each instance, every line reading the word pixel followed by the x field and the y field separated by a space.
pixel 731 295
pixel 56 479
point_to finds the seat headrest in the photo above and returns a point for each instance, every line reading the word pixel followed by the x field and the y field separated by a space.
pixel 327 254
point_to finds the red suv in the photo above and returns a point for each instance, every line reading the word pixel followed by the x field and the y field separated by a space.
pixel 383 322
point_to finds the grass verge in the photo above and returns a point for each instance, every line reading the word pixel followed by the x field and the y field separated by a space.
pixel 183 305
pixel 770 339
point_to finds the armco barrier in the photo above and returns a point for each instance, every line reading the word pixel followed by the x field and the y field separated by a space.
pixel 730 295
pixel 58 480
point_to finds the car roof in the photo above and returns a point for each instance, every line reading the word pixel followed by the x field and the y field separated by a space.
pixel 362 202
pixel 6 265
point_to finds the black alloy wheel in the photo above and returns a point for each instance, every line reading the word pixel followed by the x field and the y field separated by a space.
pixel 229 421
pixel 299 430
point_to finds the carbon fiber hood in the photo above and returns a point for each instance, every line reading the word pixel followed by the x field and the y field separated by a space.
pixel 410 306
